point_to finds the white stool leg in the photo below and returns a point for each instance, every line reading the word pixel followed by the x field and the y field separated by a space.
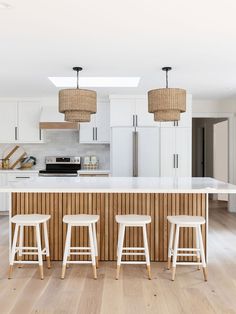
pixel 202 253
pixel 92 247
pixel 145 242
pixel 66 251
pixel 13 251
pixel 45 232
pixel 176 244
pixel 170 245
pixel 21 243
pixel 40 257
pixel 120 248
pixel 95 243
pixel 197 247
pixel 119 240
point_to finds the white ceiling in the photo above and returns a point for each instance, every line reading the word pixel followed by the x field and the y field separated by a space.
pixel 119 38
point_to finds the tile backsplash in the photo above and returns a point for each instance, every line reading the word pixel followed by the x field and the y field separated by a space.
pixel 65 143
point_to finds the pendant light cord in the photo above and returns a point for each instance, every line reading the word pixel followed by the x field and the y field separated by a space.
pixel 77 79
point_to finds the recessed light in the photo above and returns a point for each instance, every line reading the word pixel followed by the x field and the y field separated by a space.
pixel 96 81
pixel 5 5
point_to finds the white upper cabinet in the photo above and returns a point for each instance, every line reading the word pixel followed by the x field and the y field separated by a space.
pixel 28 121
pixel 8 121
pixel 98 129
pixel 20 121
pixel 122 111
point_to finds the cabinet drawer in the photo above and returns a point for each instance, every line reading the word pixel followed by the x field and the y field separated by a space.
pixel 21 176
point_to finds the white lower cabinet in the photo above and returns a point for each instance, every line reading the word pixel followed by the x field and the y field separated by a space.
pixel 135 153
pixel 175 152
pixel 13 176
pixel 4 197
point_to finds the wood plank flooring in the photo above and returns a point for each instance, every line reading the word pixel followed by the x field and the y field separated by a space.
pixel 133 293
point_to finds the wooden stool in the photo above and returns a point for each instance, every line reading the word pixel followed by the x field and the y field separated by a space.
pixel 22 221
pixel 132 221
pixel 81 221
pixel 186 222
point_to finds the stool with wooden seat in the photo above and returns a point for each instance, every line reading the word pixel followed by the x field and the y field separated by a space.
pixel 20 222
pixel 132 221
pixel 184 221
pixel 81 221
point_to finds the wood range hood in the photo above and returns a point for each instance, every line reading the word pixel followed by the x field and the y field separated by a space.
pixel 51 118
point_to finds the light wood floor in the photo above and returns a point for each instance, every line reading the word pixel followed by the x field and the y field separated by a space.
pixel 133 293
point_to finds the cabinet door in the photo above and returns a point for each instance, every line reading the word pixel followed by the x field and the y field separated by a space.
pixel 186 117
pixel 144 118
pixel 183 152
pixel 167 152
pixel 28 121
pixel 122 112
pixel 102 132
pixel 148 152
pixel 4 197
pixel 122 152
pixel 8 121
pixel 87 131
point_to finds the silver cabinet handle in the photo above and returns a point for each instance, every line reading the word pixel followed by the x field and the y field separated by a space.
pixel 22 177
pixel 177 160
pixel 174 160
pixel 96 133
pixel 93 134
pixel 16 133
pixel 136 120
pixel 40 134
pixel 133 120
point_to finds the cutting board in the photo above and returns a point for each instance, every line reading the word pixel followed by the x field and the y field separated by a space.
pixel 15 154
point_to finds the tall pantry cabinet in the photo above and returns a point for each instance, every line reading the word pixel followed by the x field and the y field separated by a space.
pixel 142 147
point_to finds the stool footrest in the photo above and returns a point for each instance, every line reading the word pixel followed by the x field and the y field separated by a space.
pixel 26 262
pixel 133 262
pixel 133 248
pixel 188 263
pixel 186 254
pixel 79 262
pixel 134 254
pixel 80 253
pixel 80 248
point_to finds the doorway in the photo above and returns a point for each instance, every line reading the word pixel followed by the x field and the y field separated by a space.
pixel 210 150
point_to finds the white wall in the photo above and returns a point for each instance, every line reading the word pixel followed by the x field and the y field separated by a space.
pixel 220 154
pixel 220 109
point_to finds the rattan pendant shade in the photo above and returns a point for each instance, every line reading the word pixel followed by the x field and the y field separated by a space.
pixel 167 103
pixel 77 104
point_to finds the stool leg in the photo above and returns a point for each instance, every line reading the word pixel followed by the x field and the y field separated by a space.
pixel 92 246
pixel 118 243
pixel 95 243
pixel 145 242
pixel 40 258
pixel 21 244
pixel 13 251
pixel 170 246
pixel 45 231
pixel 197 247
pixel 66 251
pixel 176 244
pixel 120 248
pixel 202 253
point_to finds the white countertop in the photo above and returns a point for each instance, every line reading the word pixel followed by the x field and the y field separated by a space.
pixel 119 185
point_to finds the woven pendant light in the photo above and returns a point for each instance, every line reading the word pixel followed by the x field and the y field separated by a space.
pixel 167 103
pixel 77 104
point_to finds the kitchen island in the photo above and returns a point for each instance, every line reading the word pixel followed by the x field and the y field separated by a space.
pixel 109 196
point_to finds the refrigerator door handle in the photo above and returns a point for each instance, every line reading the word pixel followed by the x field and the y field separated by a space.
pixel 135 154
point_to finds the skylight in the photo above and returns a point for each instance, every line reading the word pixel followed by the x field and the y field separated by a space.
pixel 97 81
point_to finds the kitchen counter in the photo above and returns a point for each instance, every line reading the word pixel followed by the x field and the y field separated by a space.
pixel 109 196
pixel 119 185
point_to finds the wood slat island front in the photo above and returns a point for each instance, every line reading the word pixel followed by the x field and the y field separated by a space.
pixel 107 205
